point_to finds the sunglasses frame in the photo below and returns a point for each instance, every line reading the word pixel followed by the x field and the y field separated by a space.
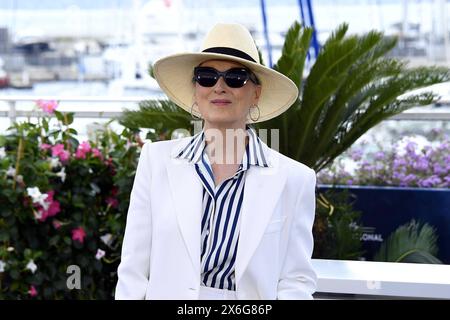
pixel 250 76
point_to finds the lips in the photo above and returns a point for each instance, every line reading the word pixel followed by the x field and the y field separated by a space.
pixel 220 102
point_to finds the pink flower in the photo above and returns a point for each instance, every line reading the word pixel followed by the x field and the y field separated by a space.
pixel 32 292
pixel 48 106
pixel 45 146
pixel 64 155
pixel 80 155
pixel 53 207
pixel 57 224
pixel 58 151
pixel 97 154
pixel 78 234
pixel 83 148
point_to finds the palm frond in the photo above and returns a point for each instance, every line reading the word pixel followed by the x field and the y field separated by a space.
pixel 352 87
pixel 413 242
pixel 328 76
pixel 294 52
pixel 158 115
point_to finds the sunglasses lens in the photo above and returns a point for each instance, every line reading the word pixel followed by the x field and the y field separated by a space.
pixel 206 77
pixel 236 78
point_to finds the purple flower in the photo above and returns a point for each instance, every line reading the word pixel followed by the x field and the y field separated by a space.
pixel 422 164
pixel 411 147
pixel 356 155
pixel 399 162
pixel 438 169
pixel 432 181
pixel 380 155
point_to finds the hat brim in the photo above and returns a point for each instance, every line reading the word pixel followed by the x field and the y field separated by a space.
pixel 174 75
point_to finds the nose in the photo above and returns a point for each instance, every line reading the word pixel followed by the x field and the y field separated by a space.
pixel 220 85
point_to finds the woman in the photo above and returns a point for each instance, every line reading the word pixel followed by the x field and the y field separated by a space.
pixel 220 215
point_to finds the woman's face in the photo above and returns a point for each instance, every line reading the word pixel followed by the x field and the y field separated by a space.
pixel 222 106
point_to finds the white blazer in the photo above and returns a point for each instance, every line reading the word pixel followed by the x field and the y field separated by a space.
pixel 161 247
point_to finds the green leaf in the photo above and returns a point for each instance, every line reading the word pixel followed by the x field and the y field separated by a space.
pixel 5 212
pixel 164 116
pixel 67 240
pixel 14 274
pixel 54 240
pixel 72 131
pixel 69 117
pixel 412 242
pixel 59 116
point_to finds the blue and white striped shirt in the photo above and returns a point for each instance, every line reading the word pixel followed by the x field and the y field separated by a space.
pixel 221 209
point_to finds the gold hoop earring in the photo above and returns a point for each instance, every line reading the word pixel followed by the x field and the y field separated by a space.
pixel 192 115
pixel 250 113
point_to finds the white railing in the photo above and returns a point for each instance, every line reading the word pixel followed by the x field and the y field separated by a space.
pixel 382 279
pixel 12 112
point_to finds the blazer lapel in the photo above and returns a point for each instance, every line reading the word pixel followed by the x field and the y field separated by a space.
pixel 261 183
pixel 186 191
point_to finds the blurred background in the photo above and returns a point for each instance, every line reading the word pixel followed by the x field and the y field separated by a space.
pixel 103 47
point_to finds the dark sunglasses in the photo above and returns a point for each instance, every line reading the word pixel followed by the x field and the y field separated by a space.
pixel 234 77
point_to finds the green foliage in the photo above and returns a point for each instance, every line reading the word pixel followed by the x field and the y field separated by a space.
pixel 413 242
pixel 336 229
pixel 163 116
pixel 87 186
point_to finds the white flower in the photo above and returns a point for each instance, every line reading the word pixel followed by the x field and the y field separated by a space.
pixel 100 254
pixel 2 266
pixel 19 178
pixel 90 170
pixel 62 174
pixel 10 249
pixel 2 153
pixel 31 266
pixel 106 238
pixel 38 197
pixel 54 162
pixel 34 192
pixel 11 172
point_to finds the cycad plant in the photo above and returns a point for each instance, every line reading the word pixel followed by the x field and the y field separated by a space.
pixel 413 242
pixel 352 86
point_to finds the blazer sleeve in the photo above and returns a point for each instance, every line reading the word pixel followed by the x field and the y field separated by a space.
pixel 134 268
pixel 298 279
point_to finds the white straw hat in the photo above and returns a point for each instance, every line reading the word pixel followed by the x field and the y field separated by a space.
pixel 225 41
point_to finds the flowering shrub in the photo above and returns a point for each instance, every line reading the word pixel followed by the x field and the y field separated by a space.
pixel 413 161
pixel 62 203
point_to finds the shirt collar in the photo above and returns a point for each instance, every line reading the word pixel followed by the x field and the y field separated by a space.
pixel 254 153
